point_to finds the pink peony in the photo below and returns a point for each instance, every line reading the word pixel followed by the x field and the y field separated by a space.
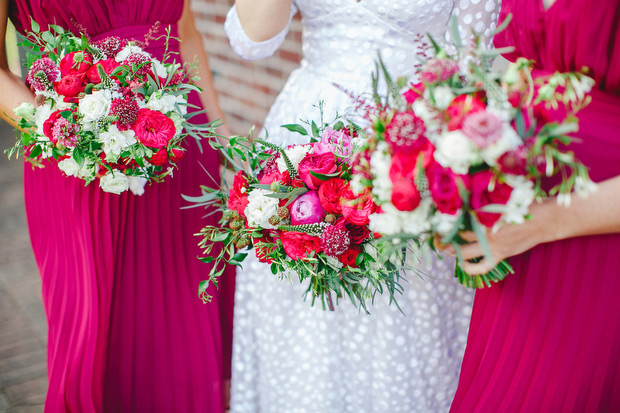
pixel 108 67
pixel 349 258
pixel 483 128
pixel 307 209
pixel 330 195
pixel 462 106
pixel 69 86
pixel 153 129
pixel 357 208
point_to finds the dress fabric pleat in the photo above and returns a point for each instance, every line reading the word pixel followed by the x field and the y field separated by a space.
pixel 548 337
pixel 127 332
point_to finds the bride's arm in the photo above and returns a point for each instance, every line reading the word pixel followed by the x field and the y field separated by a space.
pixel 14 91
pixel 192 45
pixel 256 29
pixel 597 214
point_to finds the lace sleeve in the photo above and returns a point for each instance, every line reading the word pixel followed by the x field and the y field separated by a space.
pixel 477 15
pixel 244 46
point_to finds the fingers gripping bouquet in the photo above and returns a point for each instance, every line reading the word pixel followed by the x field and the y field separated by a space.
pixel 105 110
pixel 469 149
pixel 295 208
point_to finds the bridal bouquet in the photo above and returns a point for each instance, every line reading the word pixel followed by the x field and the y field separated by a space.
pixel 469 149
pixel 105 110
pixel 295 208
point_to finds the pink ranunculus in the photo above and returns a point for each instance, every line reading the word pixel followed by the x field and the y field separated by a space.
pixel 461 107
pixel 298 245
pixel 307 209
pixel 482 196
pixel 108 67
pixel 337 142
pixel 153 129
pixel 324 164
pixel 330 195
pixel 483 128
pixel 405 195
pixel 75 63
pixel 444 188
pixel 357 208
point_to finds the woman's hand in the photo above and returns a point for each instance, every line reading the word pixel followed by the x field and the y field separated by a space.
pixel 597 214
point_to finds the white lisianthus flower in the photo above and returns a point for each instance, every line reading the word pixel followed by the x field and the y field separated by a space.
pixel 509 140
pixel 521 197
pixel 380 162
pixel 69 166
pixel 25 110
pixel 295 154
pixel 443 223
pixel 41 115
pixel 127 50
pixel 95 106
pixel 115 141
pixel 456 151
pixel 136 184
pixel 114 183
pixel 161 103
pixel 442 95
pixel 260 208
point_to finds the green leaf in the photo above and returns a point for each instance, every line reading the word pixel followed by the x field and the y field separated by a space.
pixel 78 156
pixel 34 26
pixel 240 256
pixel 36 151
pixel 324 177
pixel 481 234
pixel 202 287
pixel 315 129
pixel 296 128
pixel 206 260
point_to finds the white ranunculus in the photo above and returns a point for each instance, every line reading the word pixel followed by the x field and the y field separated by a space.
pixel 136 184
pixel 115 183
pixel 260 208
pixel 115 141
pixel 454 150
pixel 509 140
pixel 95 106
pixel 295 155
pixel 69 166
pixel 443 223
pixel 127 50
pixel 25 110
pixel 442 95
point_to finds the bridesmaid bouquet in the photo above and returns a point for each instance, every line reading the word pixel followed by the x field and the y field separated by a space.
pixel 295 208
pixel 105 110
pixel 468 149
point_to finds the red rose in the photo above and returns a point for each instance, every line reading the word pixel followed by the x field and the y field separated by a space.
pixel 324 163
pixel 108 66
pixel 330 194
pixel 357 208
pixel 357 233
pixel 153 129
pixel 177 154
pixel 238 194
pixel 481 196
pixel 275 175
pixel 350 256
pixel 298 245
pixel 75 63
pixel 443 186
pixel 49 124
pixel 69 86
pixel 160 157
pixel 405 195
pixel 404 162
pixel 460 107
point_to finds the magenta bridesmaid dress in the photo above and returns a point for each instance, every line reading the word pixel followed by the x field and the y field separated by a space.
pixel 548 338
pixel 127 332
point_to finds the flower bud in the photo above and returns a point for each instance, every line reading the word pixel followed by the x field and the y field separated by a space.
pixel 330 218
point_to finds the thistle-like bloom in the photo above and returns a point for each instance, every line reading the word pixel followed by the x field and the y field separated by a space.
pixel 335 240
pixel 50 73
pixel 127 110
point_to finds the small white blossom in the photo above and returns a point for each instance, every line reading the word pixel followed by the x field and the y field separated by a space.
pixel 521 197
pixel 128 50
pixel 456 151
pixel 161 103
pixel 584 187
pixel 380 162
pixel 442 96
pixel 443 223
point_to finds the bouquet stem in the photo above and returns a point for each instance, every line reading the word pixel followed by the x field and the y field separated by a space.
pixel 484 280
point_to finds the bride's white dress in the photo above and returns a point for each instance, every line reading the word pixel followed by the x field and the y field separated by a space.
pixel 291 357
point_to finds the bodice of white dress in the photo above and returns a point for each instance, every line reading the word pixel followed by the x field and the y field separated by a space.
pixel 290 357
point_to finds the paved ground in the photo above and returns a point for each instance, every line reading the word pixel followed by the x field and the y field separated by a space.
pixel 23 378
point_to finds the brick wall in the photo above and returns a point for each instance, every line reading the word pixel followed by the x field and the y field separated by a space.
pixel 246 89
